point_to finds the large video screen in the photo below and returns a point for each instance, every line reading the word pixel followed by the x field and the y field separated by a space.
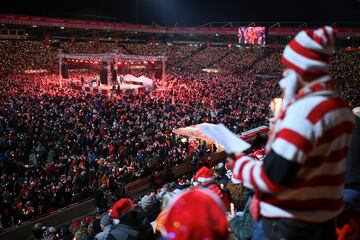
pixel 252 35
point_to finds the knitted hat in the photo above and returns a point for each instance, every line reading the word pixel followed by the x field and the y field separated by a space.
pixel 204 175
pixel 120 208
pixel 310 51
pixel 145 202
pixel 196 214
pixel 105 219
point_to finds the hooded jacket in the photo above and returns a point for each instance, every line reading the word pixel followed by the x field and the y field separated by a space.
pixel 133 226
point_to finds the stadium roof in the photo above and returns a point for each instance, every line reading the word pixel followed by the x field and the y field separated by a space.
pixel 38 27
pixel 191 13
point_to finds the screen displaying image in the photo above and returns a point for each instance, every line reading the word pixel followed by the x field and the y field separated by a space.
pixel 252 35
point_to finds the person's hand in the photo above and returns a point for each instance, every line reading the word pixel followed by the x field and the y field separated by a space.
pixel 231 159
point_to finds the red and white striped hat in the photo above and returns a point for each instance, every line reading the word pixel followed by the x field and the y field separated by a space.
pixel 310 51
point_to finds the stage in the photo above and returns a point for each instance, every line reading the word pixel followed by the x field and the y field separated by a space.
pixel 107 90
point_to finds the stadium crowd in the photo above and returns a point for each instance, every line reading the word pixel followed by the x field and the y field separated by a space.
pixel 144 217
pixel 23 55
pixel 58 146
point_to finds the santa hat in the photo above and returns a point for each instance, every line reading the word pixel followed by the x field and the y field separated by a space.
pixel 204 175
pixel 120 208
pixel 86 221
pixel 181 182
pixel 310 51
pixel 24 191
pixel 196 214
pixel 74 226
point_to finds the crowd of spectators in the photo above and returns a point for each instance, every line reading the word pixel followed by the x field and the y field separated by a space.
pixel 346 72
pixel 220 98
pixel 88 47
pixel 19 56
pixel 58 146
pixel 176 53
pixel 159 214
pixel 144 217
pixel 205 58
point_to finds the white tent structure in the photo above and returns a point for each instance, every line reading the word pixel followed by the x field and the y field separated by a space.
pixel 147 82
pixel 193 131
pixel 143 81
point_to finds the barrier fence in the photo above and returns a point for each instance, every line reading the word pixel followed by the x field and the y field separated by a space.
pixel 56 218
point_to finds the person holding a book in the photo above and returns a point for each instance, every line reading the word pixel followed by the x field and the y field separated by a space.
pixel 299 184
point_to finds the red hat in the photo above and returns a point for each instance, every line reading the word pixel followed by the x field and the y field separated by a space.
pixel 75 224
pixel 204 175
pixel 196 214
pixel 310 51
pixel 24 191
pixel 86 220
pixel 120 208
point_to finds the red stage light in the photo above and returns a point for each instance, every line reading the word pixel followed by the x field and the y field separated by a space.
pixel 145 62
pixel 96 62
pixel 77 60
pixel 152 62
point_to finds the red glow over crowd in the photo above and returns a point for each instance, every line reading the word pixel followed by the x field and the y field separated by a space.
pixel 59 146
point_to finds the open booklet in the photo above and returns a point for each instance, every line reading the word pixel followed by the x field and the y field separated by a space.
pixel 227 139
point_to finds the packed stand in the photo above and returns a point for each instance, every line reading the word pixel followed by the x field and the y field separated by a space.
pixel 345 70
pixel 58 146
pixel 205 58
pixel 90 47
pixel 175 52
pixel 19 56
pixel 152 215
pixel 65 145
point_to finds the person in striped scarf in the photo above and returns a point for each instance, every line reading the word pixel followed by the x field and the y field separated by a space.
pixel 300 182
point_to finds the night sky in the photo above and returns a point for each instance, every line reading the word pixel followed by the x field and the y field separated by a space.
pixel 193 12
